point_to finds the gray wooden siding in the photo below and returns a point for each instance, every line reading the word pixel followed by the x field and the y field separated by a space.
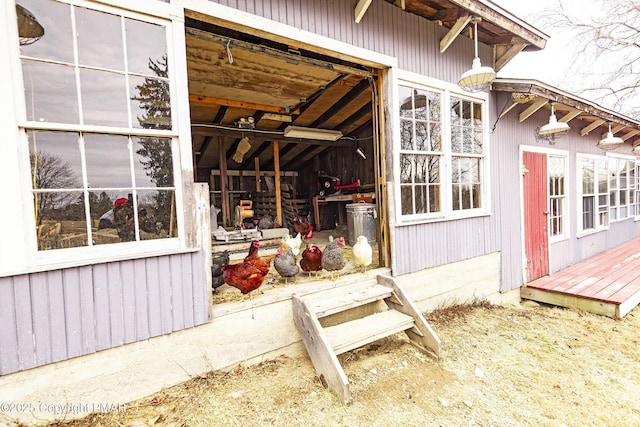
pixel 60 314
pixel 385 29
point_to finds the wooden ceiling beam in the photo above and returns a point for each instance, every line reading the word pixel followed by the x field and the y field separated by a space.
pixel 630 134
pixel 342 103
pixel 585 130
pixel 535 106
pixel 502 60
pixel 446 15
pixel 360 10
pixel 454 32
pixel 570 115
pixel 210 100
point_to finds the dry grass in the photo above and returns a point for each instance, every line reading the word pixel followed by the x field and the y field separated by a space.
pixel 502 366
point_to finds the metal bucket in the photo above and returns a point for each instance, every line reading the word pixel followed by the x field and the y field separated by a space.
pixel 361 221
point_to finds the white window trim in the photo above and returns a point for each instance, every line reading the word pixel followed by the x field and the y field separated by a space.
pixel 625 158
pixel 447 90
pixel 19 253
pixel 580 232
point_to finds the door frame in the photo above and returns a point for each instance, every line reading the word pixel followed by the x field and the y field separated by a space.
pixel 547 152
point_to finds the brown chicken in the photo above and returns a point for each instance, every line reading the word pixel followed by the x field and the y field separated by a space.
pixel 311 259
pixel 263 263
pixel 303 227
pixel 249 274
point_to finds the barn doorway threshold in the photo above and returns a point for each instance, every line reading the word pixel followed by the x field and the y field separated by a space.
pixel 607 283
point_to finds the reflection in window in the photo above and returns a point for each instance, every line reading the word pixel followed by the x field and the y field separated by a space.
pixel 421 151
pixel 114 91
pixel 98 71
pixel 68 207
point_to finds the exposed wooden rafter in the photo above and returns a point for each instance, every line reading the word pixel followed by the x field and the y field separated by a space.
pixel 570 115
pixel 457 28
pixel 502 58
pixel 210 100
pixel 585 130
pixel 537 104
pixel 630 134
pixel 361 9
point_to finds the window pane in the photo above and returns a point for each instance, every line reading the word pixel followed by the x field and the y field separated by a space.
pixel 153 163
pixel 405 168
pixel 436 137
pixel 55 18
pixel 421 199
pixel 50 92
pixel 104 98
pixel 406 135
pixel 145 43
pixel 434 198
pixel 422 142
pixel 99 38
pixel 421 105
pixel 61 221
pixel 406 194
pixel 150 104
pixel 587 212
pixel 406 101
pixel 421 169
pixel 55 160
pixel 155 217
pixel 435 114
pixel 108 161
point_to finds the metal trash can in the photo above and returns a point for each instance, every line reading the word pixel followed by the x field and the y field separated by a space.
pixel 361 221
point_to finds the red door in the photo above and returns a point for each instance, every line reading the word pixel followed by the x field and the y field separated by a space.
pixel 536 235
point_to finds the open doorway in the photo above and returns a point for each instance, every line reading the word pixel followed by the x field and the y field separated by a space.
pixel 286 134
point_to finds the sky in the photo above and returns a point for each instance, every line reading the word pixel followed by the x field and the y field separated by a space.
pixel 558 64
pixel 548 65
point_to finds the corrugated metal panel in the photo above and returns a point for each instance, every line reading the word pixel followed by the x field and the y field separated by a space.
pixel 55 315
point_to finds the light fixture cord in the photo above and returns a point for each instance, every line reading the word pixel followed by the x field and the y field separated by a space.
pixel 475 28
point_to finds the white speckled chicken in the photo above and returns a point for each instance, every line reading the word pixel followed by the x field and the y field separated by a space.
pixel 285 262
pixel 332 258
pixel 294 243
pixel 362 253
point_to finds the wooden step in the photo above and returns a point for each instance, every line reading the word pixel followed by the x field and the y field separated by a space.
pixel 356 333
pixel 346 297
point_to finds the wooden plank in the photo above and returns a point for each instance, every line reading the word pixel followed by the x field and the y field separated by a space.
pixel 322 356
pixel 87 302
pixel 276 167
pixel 341 299
pixel 454 32
pixel 585 130
pixel 164 284
pixel 571 301
pixel 535 106
pixel 360 10
pixel 152 279
pixel 41 321
pixel 9 351
pixel 570 115
pixel 128 301
pixel 24 321
pixel 177 294
pixel 115 285
pixel 141 299
pixel 356 333
pixel 213 101
pixel 73 312
pixel 424 336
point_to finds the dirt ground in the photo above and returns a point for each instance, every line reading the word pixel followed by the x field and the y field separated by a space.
pixel 525 365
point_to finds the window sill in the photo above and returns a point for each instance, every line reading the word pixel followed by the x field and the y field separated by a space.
pixel 591 232
pixel 93 261
pixel 408 222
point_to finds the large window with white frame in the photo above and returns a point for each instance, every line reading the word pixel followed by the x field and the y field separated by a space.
pixel 621 188
pixel 442 153
pixel 98 125
pixel 593 192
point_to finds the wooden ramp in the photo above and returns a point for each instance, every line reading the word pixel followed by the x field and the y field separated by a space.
pixel 343 318
pixel 607 283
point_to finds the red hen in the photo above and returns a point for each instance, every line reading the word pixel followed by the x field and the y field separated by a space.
pixel 311 259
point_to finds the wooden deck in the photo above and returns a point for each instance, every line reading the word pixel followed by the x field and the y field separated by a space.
pixel 607 283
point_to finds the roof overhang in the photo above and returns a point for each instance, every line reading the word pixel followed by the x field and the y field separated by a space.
pixel 529 96
pixel 504 32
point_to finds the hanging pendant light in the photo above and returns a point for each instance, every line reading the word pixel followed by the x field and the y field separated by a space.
pixel 609 139
pixel 554 127
pixel 478 78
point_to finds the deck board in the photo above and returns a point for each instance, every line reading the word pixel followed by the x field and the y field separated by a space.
pixel 610 277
